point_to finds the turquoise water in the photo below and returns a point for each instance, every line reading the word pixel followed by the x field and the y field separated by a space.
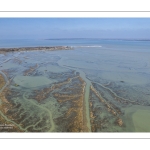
pixel 117 69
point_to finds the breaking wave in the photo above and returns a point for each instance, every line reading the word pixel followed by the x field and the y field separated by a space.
pixel 88 46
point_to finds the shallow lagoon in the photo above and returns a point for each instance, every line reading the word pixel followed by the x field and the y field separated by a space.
pixel 119 72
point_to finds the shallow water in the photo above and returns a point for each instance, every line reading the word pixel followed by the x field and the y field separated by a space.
pixel 118 70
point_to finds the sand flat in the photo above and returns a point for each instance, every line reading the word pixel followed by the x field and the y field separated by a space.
pixel 27 81
pixel 141 120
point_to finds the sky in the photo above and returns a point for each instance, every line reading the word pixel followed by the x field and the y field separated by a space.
pixel 51 28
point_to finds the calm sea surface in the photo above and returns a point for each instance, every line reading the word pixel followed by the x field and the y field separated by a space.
pixel 133 45
pixel 118 69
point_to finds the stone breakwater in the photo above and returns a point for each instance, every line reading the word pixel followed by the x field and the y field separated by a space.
pixel 52 48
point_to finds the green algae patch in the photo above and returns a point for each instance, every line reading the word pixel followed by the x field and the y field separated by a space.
pixel 137 118
pixel 141 120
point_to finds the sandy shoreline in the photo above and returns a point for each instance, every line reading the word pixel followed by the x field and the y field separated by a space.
pixel 51 48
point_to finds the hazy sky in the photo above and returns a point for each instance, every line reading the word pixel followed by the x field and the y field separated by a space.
pixel 42 28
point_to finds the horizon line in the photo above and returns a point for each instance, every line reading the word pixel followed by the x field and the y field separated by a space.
pixel 132 39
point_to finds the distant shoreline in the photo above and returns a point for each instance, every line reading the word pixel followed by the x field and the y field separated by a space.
pixel 51 48
pixel 106 39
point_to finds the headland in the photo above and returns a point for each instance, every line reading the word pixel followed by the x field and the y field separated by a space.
pixel 51 48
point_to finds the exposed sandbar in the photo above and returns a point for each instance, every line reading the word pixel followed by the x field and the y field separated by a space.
pixel 52 48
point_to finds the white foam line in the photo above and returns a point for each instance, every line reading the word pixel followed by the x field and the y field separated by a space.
pixel 87 46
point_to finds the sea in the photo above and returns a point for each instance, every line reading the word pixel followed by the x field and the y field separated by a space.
pixel 119 69
pixel 118 44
